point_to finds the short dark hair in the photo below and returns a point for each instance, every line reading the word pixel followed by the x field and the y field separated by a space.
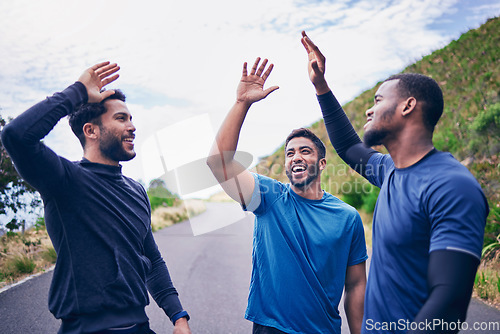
pixel 423 89
pixel 306 133
pixel 90 113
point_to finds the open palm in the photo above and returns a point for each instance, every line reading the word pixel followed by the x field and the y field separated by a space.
pixel 251 87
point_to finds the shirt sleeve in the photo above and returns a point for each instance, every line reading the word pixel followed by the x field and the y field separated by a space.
pixel 457 210
pixel 357 253
pixel 22 138
pixel 160 284
pixel 265 193
pixel 377 168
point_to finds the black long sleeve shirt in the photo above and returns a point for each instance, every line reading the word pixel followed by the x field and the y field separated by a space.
pixel 99 223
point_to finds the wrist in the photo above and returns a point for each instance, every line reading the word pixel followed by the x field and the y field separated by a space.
pixel 181 322
pixel 321 87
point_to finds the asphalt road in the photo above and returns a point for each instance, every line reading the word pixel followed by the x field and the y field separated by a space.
pixel 211 272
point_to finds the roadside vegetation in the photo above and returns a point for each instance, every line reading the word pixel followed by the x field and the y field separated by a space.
pixel 468 71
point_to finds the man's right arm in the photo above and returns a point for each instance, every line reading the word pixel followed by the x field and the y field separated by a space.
pixel 340 130
pixel 236 181
pixel 21 137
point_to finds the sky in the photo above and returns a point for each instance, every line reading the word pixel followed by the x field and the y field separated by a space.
pixel 181 62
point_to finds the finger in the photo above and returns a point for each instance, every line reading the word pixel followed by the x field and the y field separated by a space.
pixel 245 73
pixel 109 80
pixel 314 48
pixel 302 40
pixel 267 72
pixel 96 66
pixel 254 67
pixel 109 72
pixel 107 68
pixel 262 67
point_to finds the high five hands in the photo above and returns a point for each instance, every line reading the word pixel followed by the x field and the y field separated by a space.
pixel 96 77
pixel 316 65
pixel 251 87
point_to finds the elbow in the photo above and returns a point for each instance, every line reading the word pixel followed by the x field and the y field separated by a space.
pixel 8 137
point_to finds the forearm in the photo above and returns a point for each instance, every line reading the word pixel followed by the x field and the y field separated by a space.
pixel 451 278
pixel 342 135
pixel 222 153
pixel 160 284
pixel 22 136
pixel 353 305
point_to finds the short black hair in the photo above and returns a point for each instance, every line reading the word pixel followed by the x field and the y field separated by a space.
pixel 306 133
pixel 423 89
pixel 90 113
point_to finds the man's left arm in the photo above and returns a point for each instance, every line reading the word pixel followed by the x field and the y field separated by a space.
pixel 355 285
pixel 450 278
pixel 457 211
pixel 162 289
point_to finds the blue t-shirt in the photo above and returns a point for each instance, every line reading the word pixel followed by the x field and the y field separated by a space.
pixel 435 204
pixel 301 251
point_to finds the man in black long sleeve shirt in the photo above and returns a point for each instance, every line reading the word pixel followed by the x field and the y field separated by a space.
pixel 97 218
pixel 429 219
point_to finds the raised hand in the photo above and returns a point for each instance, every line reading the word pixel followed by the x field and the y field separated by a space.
pixel 251 87
pixel 96 77
pixel 316 65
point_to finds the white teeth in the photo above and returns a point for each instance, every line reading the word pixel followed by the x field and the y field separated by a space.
pixel 297 169
pixel 129 140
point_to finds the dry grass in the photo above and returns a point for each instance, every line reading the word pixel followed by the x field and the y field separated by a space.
pixel 23 255
pixel 166 216
pixel 487 283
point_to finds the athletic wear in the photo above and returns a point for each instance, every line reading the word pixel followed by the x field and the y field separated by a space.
pixel 433 205
pixel 301 251
pixel 99 223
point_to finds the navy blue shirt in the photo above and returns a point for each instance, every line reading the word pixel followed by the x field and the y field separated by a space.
pixel 99 223
pixel 435 204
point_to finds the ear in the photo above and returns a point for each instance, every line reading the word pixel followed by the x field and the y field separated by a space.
pixel 410 104
pixel 91 131
pixel 322 164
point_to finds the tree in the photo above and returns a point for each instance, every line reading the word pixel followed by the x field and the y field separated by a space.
pixel 17 198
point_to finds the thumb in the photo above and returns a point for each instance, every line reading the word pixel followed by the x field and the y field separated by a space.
pixel 270 90
pixel 315 67
pixel 107 93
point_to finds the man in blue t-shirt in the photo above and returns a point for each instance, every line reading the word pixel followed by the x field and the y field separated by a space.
pixel 429 219
pixel 307 243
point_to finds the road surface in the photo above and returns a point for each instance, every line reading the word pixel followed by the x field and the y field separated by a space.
pixel 211 272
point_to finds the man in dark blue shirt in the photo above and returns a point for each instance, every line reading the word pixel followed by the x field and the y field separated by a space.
pixel 429 219
pixel 97 218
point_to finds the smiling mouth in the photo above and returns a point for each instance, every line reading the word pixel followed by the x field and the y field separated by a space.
pixel 298 169
pixel 367 122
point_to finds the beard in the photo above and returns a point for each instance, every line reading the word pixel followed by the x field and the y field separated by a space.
pixel 374 137
pixel 111 147
pixel 312 174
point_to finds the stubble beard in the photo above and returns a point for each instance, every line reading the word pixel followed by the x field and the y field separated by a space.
pixel 313 172
pixel 112 147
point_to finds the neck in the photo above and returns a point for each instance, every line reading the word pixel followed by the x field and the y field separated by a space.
pixel 406 150
pixel 99 159
pixel 312 191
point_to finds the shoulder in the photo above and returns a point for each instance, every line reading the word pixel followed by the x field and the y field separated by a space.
pixel 340 208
